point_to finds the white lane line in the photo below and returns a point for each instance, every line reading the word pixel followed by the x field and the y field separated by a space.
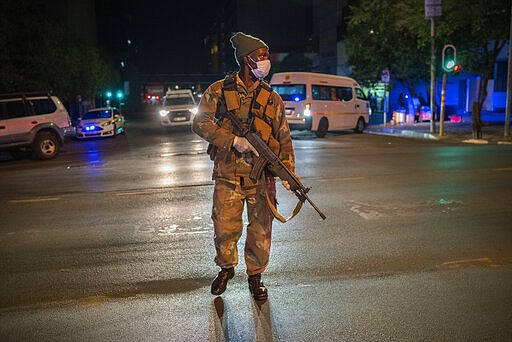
pixel 327 179
pixel 34 200
pixel 138 193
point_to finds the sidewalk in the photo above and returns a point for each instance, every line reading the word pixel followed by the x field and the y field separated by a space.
pixel 492 132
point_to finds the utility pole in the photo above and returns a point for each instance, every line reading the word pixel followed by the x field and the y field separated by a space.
pixel 509 81
pixel 432 78
pixel 443 96
pixel 432 11
pixel 385 77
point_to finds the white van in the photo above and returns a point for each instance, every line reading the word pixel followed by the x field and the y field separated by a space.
pixel 178 109
pixel 322 102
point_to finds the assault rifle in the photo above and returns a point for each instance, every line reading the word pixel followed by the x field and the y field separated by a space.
pixel 267 158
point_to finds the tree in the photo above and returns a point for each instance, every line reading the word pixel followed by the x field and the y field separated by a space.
pixel 394 34
pixel 383 34
pixel 41 54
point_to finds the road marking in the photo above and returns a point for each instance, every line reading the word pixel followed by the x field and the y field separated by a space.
pixel 162 190
pixel 142 192
pixel 471 263
pixel 503 169
pixel 92 301
pixel 327 179
pixel 34 200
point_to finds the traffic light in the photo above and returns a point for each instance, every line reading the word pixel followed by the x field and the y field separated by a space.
pixel 457 68
pixel 449 65
pixel 449 58
pixel 108 93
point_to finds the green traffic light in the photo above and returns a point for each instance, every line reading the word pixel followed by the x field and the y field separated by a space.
pixel 119 94
pixel 449 57
pixel 109 94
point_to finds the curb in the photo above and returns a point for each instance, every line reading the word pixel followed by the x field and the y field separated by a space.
pixel 428 136
pixel 401 132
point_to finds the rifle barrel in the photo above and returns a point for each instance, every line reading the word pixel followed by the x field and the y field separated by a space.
pixel 315 207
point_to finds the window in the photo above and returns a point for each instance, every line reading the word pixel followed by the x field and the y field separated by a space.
pixel 43 106
pixel 331 93
pixel 291 92
pixel 500 81
pixel 15 109
pixel 360 94
pixel 322 93
pixel 178 101
pixel 3 111
pixel 344 93
pixel 97 114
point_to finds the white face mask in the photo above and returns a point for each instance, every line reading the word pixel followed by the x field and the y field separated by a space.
pixel 262 68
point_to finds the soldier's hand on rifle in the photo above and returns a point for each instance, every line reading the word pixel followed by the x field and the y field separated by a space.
pixel 243 146
pixel 286 185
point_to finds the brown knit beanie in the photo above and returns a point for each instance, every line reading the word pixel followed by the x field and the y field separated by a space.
pixel 244 44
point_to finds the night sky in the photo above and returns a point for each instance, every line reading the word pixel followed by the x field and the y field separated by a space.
pixel 167 36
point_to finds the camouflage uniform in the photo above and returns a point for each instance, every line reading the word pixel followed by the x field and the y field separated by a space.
pixel 231 171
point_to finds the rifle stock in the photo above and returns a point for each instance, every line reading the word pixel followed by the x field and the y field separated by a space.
pixel 267 158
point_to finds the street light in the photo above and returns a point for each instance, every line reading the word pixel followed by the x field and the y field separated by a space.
pixel 120 96
pixel 108 94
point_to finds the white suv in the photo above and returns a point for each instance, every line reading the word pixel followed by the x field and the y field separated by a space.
pixel 179 108
pixel 38 121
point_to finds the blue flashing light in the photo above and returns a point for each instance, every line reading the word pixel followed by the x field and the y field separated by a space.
pixel 296 99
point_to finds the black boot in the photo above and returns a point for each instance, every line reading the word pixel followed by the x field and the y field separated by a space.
pixel 221 281
pixel 257 288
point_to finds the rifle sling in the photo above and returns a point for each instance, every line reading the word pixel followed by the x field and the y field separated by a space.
pixel 273 208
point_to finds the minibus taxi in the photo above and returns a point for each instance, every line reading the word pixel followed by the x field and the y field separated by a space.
pixel 322 102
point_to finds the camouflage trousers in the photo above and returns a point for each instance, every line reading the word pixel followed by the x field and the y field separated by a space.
pixel 229 199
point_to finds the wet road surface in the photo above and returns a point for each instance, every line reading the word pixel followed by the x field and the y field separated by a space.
pixel 112 241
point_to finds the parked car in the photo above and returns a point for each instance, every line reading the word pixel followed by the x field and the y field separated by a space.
pixel 178 109
pixel 35 121
pixel 100 122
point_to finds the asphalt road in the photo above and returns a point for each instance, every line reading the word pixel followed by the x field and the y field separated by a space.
pixel 112 241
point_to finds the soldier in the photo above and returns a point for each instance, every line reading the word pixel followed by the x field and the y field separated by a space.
pixel 261 109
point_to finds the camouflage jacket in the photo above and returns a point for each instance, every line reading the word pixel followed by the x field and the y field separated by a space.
pixel 229 164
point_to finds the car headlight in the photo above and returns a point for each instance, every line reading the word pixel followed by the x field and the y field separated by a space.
pixel 164 112
pixel 105 124
pixel 193 110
